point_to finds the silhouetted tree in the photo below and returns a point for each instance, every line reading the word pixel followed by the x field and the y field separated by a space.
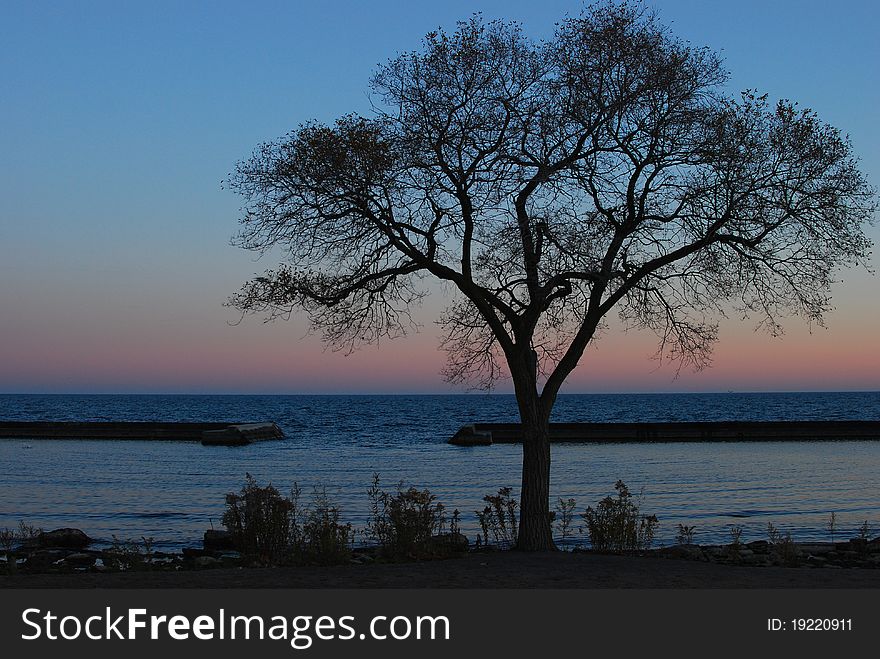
pixel 550 183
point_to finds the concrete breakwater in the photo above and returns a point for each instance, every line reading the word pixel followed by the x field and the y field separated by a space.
pixel 209 434
pixel 484 434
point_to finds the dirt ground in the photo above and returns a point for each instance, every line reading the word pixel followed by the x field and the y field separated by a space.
pixel 477 570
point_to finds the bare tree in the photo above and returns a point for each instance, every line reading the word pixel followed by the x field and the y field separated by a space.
pixel 550 183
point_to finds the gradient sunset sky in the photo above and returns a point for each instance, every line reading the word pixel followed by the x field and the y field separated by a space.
pixel 119 120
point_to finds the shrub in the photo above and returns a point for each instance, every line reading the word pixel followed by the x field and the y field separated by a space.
pixel 7 541
pixel 735 531
pixel 259 519
pixel 616 525
pixel 499 518
pixel 685 535
pixel 275 530
pixel 565 518
pixel 404 522
pixel 27 533
pixel 129 554
pixel 783 545
pixel 319 535
pixel 455 524
pixel 9 538
pixel 832 525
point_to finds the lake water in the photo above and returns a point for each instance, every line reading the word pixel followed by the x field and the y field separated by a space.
pixel 174 491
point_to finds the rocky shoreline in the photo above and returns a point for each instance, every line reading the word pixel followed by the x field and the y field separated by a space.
pixel 854 553
pixel 66 551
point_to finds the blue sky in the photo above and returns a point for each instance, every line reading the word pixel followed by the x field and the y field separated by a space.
pixel 120 120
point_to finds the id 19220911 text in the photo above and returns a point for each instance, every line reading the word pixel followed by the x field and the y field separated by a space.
pixel 810 625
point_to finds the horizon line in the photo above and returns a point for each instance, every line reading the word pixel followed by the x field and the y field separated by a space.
pixel 434 393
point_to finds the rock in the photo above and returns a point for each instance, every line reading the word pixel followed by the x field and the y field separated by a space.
pixel 217 540
pixel 686 552
pixel 759 546
pixel 715 551
pixel 818 561
pixel 450 541
pixel 66 537
pixel 194 552
pixel 859 544
pixel 80 559
pixel 469 436
pixel 206 562
pixel 817 549
pixel 241 434
pixel 30 543
pixel 365 554
pixel 45 558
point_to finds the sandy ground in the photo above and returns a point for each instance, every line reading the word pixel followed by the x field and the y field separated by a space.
pixel 478 570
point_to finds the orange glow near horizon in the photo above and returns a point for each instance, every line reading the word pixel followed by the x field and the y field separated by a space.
pixel 278 358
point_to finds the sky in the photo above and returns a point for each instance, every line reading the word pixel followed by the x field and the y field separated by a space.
pixel 119 121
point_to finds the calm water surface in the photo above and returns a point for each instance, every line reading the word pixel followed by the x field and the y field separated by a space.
pixel 174 491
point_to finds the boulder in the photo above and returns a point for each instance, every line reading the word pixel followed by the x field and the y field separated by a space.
pixel 218 540
pixel 759 546
pixel 366 554
pixel 816 548
pixel 43 559
pixel 859 545
pixel 456 542
pixel 755 559
pixel 80 559
pixel 686 552
pixel 66 537
pixel 241 434
pixel 716 551
pixel 207 562
pixel 470 436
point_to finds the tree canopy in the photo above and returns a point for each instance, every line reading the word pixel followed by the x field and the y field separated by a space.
pixel 551 183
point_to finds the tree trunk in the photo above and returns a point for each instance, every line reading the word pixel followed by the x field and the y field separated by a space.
pixel 535 531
